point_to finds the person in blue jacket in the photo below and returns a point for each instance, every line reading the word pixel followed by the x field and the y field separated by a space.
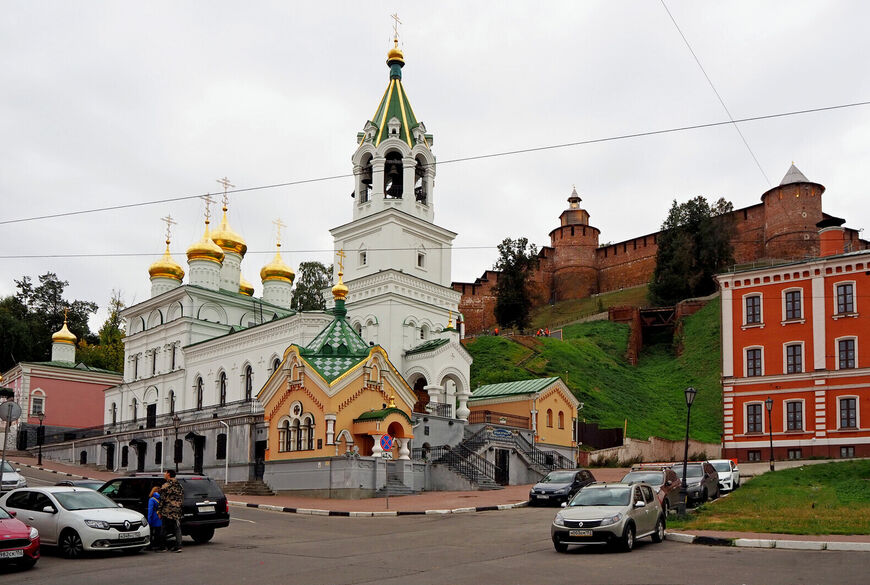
pixel 154 521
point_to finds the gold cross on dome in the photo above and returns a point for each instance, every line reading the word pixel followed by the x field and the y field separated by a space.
pixel 341 256
pixel 208 203
pixel 226 183
pixel 169 223
pixel 65 311
pixel 396 23
pixel 278 225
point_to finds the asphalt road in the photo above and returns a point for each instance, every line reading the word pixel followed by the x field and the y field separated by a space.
pixel 477 548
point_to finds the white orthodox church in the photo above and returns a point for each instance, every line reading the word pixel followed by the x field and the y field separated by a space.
pixel 197 353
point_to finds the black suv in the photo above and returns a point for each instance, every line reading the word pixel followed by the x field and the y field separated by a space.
pixel 559 486
pixel 204 507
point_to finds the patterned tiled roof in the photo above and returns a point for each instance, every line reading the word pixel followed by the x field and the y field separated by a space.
pixel 511 388
pixel 427 345
pixel 336 349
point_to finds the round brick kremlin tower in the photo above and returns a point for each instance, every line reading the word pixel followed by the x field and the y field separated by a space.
pixel 574 243
pixel 791 212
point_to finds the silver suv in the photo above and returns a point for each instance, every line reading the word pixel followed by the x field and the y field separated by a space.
pixel 614 513
pixel 11 478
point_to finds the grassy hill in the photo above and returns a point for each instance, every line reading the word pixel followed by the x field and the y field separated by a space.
pixel 553 316
pixel 591 362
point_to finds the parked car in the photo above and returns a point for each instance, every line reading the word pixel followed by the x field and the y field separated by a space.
pixel 204 508
pixel 729 473
pixel 702 481
pixel 663 480
pixel 19 543
pixel 615 513
pixel 78 519
pixel 559 486
pixel 11 478
pixel 93 484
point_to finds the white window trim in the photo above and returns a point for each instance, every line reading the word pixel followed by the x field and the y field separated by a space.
pixel 803 414
pixel 837 341
pixel 760 323
pixel 420 253
pixel 746 361
pixel 363 256
pixel 785 356
pixel 746 416
pixel 37 393
pixel 800 318
pixel 857 412
pixel 854 311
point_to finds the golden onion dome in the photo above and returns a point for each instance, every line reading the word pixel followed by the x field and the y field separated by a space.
pixel 277 270
pixel 339 291
pixel 395 54
pixel 205 249
pixel 64 335
pixel 166 267
pixel 227 239
pixel 245 287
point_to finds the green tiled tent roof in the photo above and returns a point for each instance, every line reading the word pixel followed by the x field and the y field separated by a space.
pixel 336 349
pixel 511 388
pixel 427 345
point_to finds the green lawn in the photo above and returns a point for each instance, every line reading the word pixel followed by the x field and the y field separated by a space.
pixel 591 361
pixel 829 498
pixel 553 316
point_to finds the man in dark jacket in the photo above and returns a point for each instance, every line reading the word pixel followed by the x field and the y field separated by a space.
pixel 169 509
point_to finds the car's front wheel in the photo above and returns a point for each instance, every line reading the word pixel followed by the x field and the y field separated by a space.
pixel 628 538
pixel 202 535
pixel 659 534
pixel 70 544
pixel 559 546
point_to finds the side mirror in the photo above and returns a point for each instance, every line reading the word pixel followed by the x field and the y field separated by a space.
pixel 639 504
pixel 12 513
pixel 669 482
pixel 120 505
pixel 49 510
pixel 564 504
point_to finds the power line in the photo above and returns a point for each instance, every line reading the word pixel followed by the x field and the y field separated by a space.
pixel 453 161
pixel 718 96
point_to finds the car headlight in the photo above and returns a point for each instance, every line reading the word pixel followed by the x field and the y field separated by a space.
pixel 564 490
pixel 560 520
pixel 611 520
pixel 22 482
pixel 100 524
pixel 692 484
pixel 34 533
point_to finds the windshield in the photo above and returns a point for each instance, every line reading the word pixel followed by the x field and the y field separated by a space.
pixel 608 496
pixel 8 468
pixel 559 477
pixel 722 466
pixel 654 478
pixel 691 470
pixel 4 515
pixel 200 488
pixel 84 500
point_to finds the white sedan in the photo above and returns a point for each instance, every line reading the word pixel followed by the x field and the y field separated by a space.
pixel 78 519
pixel 729 474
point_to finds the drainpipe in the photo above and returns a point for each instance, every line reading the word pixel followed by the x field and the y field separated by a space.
pixel 226 455
pixel 163 455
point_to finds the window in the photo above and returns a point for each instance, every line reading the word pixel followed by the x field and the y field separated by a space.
pixel 135 409
pixel 222 385
pixel 794 359
pixel 284 438
pixel 561 420
pixel 179 450
pixel 114 414
pixel 845 298
pixel 221 446
pixel 848 413
pixel 199 393
pixel 136 366
pixel 793 305
pixel 296 431
pixel 421 260
pixel 550 418
pixel 795 454
pixel 125 456
pixel 752 313
pixel 154 362
pixel 363 258
pixel 309 434
pixel 753 418
pixel 794 416
pixel 158 452
pixel 172 358
pixel 847 452
pixel 275 364
pixel 150 416
pixel 845 354
pixel 753 362
pixel 172 402
pixel 753 455
pixel 37 405
pixel 249 383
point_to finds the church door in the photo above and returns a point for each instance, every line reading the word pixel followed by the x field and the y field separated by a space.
pixel 502 466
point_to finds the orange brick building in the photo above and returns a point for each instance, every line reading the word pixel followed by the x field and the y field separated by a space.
pixel 573 266
pixel 799 335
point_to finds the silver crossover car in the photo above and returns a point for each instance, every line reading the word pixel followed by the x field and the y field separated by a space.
pixel 613 513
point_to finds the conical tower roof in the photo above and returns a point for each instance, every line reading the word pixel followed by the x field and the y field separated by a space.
pixel 794 176
pixel 395 103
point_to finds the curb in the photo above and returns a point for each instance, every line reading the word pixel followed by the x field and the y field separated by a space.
pixel 765 543
pixel 60 473
pixel 315 512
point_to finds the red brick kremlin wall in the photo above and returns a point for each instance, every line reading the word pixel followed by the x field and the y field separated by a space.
pixel 782 226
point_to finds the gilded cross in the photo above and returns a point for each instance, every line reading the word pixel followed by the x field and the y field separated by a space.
pixel 396 23
pixel 208 203
pixel 226 183
pixel 169 223
pixel 278 225
pixel 341 256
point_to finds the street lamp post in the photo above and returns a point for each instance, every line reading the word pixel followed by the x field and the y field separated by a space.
pixel 40 437
pixel 175 421
pixel 769 404
pixel 684 493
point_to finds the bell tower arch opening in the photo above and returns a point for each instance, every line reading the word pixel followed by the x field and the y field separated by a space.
pixel 393 179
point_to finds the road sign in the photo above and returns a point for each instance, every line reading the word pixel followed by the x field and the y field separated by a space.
pixel 9 411
pixel 386 442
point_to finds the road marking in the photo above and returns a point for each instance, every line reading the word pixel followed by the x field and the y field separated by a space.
pixel 237 519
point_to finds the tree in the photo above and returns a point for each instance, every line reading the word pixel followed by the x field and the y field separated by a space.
pixel 109 353
pixel 517 259
pixel 313 278
pixel 694 245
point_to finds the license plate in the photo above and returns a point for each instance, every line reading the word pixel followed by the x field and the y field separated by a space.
pixel 543 497
pixel 128 535
pixel 11 554
pixel 580 533
pixel 206 509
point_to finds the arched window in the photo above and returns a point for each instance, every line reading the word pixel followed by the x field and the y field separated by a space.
pixel 284 439
pixel 549 417
pixel 114 414
pixel 135 409
pixel 309 434
pixel 275 364
pixel 296 431
pixel 249 382
pixel 172 402
pixel 199 393
pixel 222 385
pixel 561 420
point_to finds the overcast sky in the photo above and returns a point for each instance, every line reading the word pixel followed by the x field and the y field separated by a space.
pixel 112 103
